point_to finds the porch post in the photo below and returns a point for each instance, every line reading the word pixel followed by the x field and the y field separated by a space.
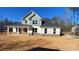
pixel 17 30
pixel 7 30
pixel 14 29
pixel 27 31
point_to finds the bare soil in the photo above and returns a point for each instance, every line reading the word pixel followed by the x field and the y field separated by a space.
pixel 24 43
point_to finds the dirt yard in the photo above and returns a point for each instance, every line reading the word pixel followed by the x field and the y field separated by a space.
pixel 24 43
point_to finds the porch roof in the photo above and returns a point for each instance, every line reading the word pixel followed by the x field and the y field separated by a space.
pixel 52 26
pixel 19 25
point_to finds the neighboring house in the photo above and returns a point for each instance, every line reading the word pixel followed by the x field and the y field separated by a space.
pixel 33 24
pixel 75 30
pixel 2 28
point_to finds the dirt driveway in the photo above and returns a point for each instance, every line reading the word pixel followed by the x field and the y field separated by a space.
pixel 23 43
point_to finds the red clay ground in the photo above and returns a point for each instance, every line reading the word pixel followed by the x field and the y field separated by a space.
pixel 23 43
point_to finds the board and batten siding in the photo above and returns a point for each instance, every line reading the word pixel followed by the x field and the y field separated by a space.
pixel 39 30
pixel 38 21
pixel 27 19
pixel 30 21
pixel 49 31
pixel 58 30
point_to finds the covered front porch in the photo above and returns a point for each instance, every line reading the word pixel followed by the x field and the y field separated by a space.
pixel 19 29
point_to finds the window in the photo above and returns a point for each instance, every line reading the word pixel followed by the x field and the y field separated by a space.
pixel 25 21
pixel 11 29
pixel 34 21
pixel 54 30
pixel 43 22
pixel 45 31
pixel 25 29
pixel 34 30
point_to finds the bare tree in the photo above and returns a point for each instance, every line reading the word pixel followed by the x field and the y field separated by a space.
pixel 75 14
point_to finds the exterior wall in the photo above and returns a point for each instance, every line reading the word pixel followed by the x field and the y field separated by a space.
pixel 23 22
pixel 30 22
pixel 58 31
pixel 38 21
pixel 39 29
pixel 29 32
pixel 27 18
pixel 74 29
pixel 49 31
pixel 42 31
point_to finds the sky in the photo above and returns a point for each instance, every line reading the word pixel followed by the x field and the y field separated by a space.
pixel 17 13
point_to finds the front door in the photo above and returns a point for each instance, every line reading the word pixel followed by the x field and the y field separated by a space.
pixel 34 30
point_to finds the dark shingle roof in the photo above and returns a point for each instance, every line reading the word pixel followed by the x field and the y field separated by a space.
pixel 19 25
pixel 27 15
pixel 32 16
pixel 48 23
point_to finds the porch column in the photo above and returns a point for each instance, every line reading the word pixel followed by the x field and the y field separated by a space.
pixel 14 29
pixel 7 30
pixel 17 30
pixel 27 31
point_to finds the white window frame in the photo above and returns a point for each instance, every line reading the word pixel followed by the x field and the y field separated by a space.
pixel 34 22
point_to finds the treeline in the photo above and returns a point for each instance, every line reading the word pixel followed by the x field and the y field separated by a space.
pixel 58 21
pixel 8 22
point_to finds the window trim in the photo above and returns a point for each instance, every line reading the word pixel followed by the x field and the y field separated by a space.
pixel 34 22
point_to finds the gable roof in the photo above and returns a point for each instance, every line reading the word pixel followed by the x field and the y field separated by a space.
pixel 48 23
pixel 27 15
pixel 31 14
pixel 19 25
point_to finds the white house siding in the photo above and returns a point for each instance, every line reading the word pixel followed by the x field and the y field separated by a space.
pixel 58 31
pixel 49 31
pixel 74 29
pixel 29 22
pixel 42 31
pixel 36 17
pixel 39 30
pixel 23 22
pixel 27 19
pixel 30 32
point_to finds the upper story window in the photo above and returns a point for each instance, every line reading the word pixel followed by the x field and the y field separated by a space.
pixel 34 21
pixel 25 21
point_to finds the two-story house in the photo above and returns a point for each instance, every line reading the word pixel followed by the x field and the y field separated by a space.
pixel 33 24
